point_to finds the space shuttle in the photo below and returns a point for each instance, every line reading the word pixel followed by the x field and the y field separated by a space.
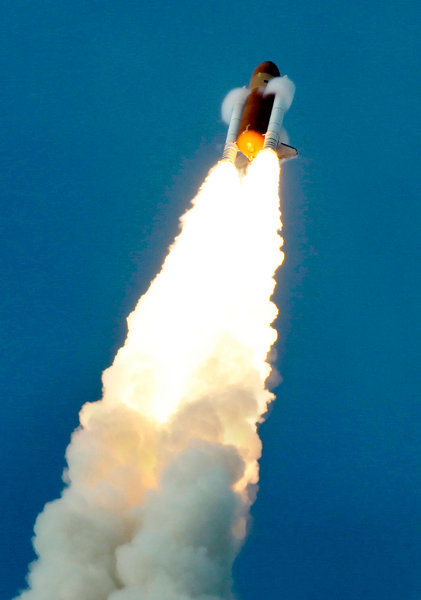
pixel 257 113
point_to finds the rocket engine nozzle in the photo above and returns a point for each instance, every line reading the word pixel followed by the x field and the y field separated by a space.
pixel 230 151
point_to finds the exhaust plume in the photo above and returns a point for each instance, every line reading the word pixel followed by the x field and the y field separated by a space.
pixel 163 469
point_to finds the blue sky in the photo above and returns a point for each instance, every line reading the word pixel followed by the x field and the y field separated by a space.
pixel 110 119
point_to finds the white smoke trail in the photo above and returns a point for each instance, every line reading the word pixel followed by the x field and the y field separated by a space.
pixel 161 472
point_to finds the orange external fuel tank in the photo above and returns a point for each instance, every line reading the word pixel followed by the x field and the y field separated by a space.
pixel 257 111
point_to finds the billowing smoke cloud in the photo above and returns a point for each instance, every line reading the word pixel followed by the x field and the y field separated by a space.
pixel 283 87
pixel 230 100
pixel 162 471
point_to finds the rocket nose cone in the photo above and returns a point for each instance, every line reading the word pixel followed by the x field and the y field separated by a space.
pixel 263 74
pixel 268 67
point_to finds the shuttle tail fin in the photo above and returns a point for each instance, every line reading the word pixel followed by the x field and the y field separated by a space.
pixel 284 151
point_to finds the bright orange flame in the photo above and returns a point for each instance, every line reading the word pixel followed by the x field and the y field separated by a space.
pixel 250 143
